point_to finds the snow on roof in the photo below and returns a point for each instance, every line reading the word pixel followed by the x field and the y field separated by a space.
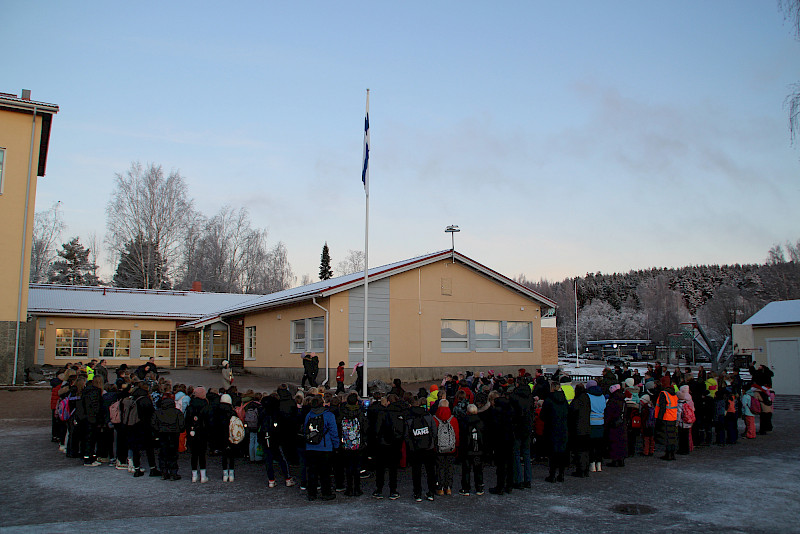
pixel 46 299
pixel 775 313
pixel 325 288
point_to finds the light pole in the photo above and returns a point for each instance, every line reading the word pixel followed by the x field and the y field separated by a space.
pixel 452 229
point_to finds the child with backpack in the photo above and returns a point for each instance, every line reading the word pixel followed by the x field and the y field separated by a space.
pixel 750 406
pixel 471 450
pixel 352 423
pixel 686 418
pixel 647 414
pixel 250 412
pixel 421 446
pixel 446 447
pixel 168 423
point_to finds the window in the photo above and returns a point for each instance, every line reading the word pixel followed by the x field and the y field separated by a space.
pixel 2 167
pixel 487 336
pixel 155 343
pixel 250 343
pixel 41 338
pixel 518 336
pixel 358 346
pixel 72 343
pixel 115 344
pixel 308 335
pixel 455 335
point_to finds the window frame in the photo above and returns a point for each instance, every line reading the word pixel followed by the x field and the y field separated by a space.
pixel 84 355
pixel 359 348
pixel 312 341
pixel 529 339
pixel 145 353
pixel 250 342
pixel 102 342
pixel 443 339
pixel 477 340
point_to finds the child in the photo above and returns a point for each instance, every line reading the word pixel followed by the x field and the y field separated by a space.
pixel 748 415
pixel 340 378
pixel 168 422
pixel 731 420
pixel 648 425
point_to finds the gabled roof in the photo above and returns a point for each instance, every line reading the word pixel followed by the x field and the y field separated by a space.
pixel 326 288
pixel 782 312
pixel 47 299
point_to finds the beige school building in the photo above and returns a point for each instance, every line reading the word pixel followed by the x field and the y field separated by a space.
pixel 437 313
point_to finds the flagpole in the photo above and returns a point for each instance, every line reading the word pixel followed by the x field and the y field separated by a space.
pixel 577 352
pixel 365 179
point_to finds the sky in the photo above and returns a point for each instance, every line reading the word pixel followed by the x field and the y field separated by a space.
pixel 562 137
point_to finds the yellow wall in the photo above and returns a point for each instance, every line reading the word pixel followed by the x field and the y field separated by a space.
pixel 762 334
pixel 53 323
pixel 273 335
pixel 15 137
pixel 418 306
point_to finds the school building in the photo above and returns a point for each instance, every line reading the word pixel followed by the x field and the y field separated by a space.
pixel 24 142
pixel 437 313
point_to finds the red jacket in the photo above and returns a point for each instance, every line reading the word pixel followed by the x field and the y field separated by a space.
pixel 470 395
pixel 54 397
pixel 443 414
pixel 340 374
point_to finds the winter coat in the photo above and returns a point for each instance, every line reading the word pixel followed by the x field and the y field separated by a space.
pixel 580 411
pixel 555 414
pixel 468 447
pixel 182 401
pixel 598 405
pixel 521 401
pixel 614 419
pixel 385 431
pixel 220 425
pixel 747 398
pixel 376 413
pixel 90 404
pixel 500 427
pixel 168 418
pixel 198 419
pixel 330 434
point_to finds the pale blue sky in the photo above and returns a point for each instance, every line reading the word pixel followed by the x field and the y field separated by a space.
pixel 563 137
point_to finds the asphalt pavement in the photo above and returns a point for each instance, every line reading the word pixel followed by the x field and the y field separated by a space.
pixel 753 486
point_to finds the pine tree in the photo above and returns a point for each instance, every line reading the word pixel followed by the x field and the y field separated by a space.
pixel 325 272
pixel 73 268
pixel 141 266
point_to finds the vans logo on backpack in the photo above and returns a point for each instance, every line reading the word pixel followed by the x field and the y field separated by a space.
pixel 424 431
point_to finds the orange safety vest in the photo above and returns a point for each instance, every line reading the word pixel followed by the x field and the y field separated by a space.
pixel 671 411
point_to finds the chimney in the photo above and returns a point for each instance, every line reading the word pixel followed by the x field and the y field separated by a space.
pixel 26 94
pixel 197 286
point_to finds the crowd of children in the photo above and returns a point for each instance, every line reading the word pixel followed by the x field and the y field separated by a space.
pixel 333 440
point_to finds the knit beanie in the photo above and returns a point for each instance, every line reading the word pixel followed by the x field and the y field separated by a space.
pixel 200 392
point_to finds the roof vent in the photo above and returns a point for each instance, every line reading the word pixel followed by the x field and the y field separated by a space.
pixel 26 94
pixel 197 286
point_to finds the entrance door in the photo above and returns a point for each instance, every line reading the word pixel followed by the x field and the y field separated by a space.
pixel 783 357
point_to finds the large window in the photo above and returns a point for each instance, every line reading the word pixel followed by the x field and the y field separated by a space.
pixel 455 335
pixel 519 336
pixel 250 343
pixel 308 335
pixel 461 335
pixel 115 344
pixel 72 343
pixel 155 343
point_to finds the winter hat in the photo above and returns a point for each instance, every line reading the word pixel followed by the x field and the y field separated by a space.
pixel 434 387
pixel 200 392
pixel 224 363
pixel 591 383
pixel 613 388
pixel 225 399
pixel 645 398
pixel 629 382
pixel 565 379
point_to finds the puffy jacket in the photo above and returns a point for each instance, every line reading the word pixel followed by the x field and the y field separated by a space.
pixel 441 417
pixel 168 419
pixel 198 419
pixel 598 405
pixel 90 404
pixel 580 411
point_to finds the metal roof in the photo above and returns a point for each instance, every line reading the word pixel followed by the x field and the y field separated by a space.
pixel 777 313
pixel 326 288
pixel 46 299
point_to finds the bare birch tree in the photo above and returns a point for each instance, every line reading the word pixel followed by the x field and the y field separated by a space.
pixel 151 210
pixel 47 228
pixel 353 262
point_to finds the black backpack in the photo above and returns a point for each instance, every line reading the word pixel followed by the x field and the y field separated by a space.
pixel 475 439
pixel 314 429
pixel 396 426
pixel 420 435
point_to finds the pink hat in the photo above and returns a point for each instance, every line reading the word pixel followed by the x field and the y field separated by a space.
pixel 613 388
pixel 200 392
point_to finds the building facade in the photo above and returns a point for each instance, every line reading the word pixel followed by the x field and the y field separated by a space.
pixel 24 141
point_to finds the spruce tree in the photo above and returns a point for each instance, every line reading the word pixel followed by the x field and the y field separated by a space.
pixel 141 266
pixel 73 267
pixel 325 272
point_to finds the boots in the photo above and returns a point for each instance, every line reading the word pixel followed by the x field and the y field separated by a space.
pixel 599 466
pixel 224 475
pixel 230 475
pixel 194 476
pixel 592 467
pixel 203 476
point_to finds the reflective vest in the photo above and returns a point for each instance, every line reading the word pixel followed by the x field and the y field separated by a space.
pixel 671 411
pixel 89 374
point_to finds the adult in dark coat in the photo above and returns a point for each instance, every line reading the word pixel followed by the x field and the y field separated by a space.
pixel 555 414
pixel 522 404
pixel 89 417
pixel 580 431
pixel 501 430
pixel 614 420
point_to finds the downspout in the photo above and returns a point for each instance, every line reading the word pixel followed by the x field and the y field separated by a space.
pixel 22 253
pixel 327 332
pixel 202 334
pixel 228 346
